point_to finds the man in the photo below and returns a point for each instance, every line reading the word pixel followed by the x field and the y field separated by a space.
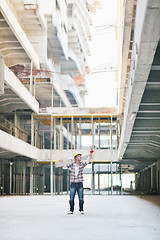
pixel 76 180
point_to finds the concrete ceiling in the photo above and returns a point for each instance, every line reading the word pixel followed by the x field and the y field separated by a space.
pixel 140 137
pixel 144 144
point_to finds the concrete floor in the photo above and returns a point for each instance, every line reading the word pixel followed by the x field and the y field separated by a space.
pixel 106 217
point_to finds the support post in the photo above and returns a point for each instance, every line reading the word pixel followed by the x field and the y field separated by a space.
pixel 52 97
pixel 51 170
pixel 36 135
pixel 61 133
pixel 55 135
pixel 51 177
pixel 24 178
pixel 99 178
pixel 92 123
pixel 61 177
pixel 10 182
pixel 93 179
pixel 14 176
pixel 111 133
pixel 16 125
pixel 75 135
pixel 67 181
pixel 31 179
pixel 54 177
pixel 34 87
pixel 20 177
pixel 99 138
pixel 108 178
pixel 121 178
pixel 117 144
pixel 72 122
pixel 67 135
pixel 43 140
pixel 80 133
pixel 32 130
pixel 31 80
pixel 111 179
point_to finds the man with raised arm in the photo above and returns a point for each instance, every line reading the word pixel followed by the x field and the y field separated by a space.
pixel 76 180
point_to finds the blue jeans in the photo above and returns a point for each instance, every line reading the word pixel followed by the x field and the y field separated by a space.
pixel 76 187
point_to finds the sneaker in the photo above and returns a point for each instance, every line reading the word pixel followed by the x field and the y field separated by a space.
pixel 82 212
pixel 70 212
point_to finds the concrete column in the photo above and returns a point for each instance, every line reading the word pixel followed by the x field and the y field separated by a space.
pixel 142 180
pixel 21 177
pixel 120 175
pixel 31 79
pixel 80 133
pixel 36 134
pixel 54 179
pixel 61 133
pixel 51 168
pixel 67 181
pixel 51 178
pixel 99 131
pixel 93 179
pixel 52 97
pixel 34 82
pixel 14 177
pixel 67 135
pixel 72 124
pixel 55 135
pixel 17 178
pixel 75 135
pixel 92 124
pixel 58 139
pixel 10 179
pixel 111 134
pixel 43 144
pixel 116 179
pixel 32 130
pixel 108 178
pixel 117 145
pixel 152 180
pixel 148 179
pixel 34 179
pixel 61 180
pixel 99 178
pixel 24 178
pixel 2 180
pixel 159 177
pixel 16 125
pixel 111 179
pixel 31 179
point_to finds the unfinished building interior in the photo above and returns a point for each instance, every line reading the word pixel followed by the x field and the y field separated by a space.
pixel 43 118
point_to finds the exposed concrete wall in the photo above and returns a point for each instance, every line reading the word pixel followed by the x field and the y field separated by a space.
pixel 148 180
pixel 146 27
pixel 15 145
pixel 19 33
pixel 18 88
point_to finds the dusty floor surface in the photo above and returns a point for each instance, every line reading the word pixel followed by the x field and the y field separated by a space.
pixel 106 217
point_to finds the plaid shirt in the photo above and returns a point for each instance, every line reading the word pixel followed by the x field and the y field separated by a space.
pixel 72 167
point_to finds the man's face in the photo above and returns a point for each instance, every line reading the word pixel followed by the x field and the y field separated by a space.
pixel 78 157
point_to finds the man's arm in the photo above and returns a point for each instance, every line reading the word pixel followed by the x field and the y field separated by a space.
pixel 88 158
pixel 63 164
